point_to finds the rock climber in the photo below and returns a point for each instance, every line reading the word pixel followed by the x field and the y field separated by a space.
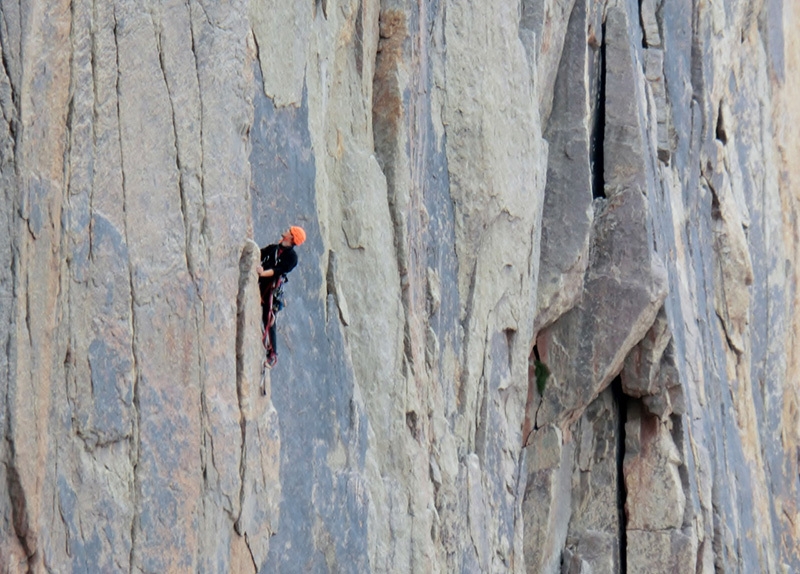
pixel 277 260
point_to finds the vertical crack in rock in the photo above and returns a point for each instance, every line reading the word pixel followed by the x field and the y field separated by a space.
pixel 8 104
pixel 250 552
pixel 402 138
pixel 598 498
pixel 388 112
pixel 190 5
pixel 245 269
pixel 358 40
pixel 135 437
pixel 463 381
pixel 332 288
pixel 625 283
pixel 721 130
pixel 207 442
pixel 19 507
pixel 207 459
pixel 320 5
pixel 28 307
pixel 642 25
pixel 412 423
pixel 482 417
pixel 6 53
pixel 599 127
pixel 621 401
pixel 158 33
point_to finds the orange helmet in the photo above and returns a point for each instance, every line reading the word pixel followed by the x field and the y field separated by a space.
pixel 298 234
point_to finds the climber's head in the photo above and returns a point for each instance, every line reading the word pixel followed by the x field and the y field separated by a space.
pixel 298 234
pixel 293 236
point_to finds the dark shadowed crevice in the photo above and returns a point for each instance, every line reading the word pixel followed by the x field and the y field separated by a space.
pixel 721 132
pixel 358 40
pixel 621 400
pixel 511 335
pixel 321 5
pixel 330 283
pixel 7 51
pixel 250 552
pixel 641 25
pixel 412 423
pixel 596 152
pixel 331 289
pixel 481 415
pixel 698 74
pixel 679 435
pixel 461 393
pixel 19 506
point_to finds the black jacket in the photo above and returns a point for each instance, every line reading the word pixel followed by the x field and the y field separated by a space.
pixel 279 258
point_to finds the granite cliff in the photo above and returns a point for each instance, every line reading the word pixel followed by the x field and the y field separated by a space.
pixel 546 318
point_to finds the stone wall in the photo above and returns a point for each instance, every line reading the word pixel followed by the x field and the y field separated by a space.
pixel 545 319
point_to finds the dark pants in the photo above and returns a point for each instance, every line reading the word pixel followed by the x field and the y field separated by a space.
pixel 266 287
pixel 271 330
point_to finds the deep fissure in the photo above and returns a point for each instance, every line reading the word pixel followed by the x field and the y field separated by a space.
pixel 621 400
pixel 642 26
pixel 720 131
pixel 599 126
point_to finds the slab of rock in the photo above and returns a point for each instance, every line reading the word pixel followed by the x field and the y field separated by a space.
pixel 643 363
pixel 547 504
pixel 596 519
pixel 625 286
pixel 542 30
pixel 282 33
pixel 567 213
pixel 661 551
pixel 625 282
pixel 654 499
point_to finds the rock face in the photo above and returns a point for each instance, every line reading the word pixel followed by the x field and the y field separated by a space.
pixel 545 320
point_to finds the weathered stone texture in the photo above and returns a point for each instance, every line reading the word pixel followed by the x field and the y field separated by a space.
pixel 545 319
pixel 596 520
pixel 547 504
pixel 567 213
pixel 136 438
pixel 654 497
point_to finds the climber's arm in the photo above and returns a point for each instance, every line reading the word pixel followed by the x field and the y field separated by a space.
pixel 265 273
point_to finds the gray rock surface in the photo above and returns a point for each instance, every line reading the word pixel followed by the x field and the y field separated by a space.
pixel 545 319
pixel 597 521
pixel 547 503
pixel 567 213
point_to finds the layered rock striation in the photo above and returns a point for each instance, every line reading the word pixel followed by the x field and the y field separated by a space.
pixel 545 319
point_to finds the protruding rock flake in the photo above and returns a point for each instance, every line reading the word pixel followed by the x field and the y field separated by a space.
pixel 545 319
